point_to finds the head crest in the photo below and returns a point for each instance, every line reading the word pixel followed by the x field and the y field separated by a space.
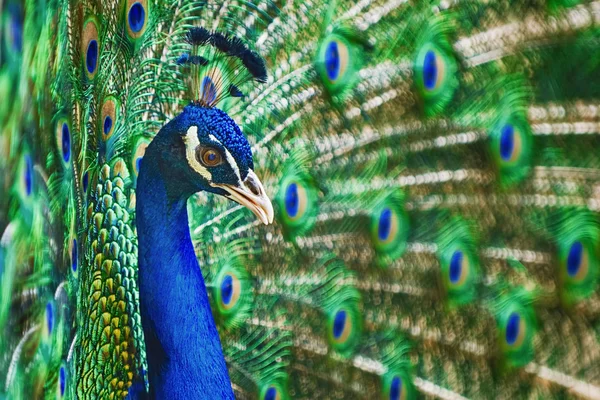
pixel 218 66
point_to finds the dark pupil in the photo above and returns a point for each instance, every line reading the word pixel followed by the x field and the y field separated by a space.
pixel 332 61
pixel 396 388
pixel 271 394
pixel 291 200
pixel 49 317
pixel 137 15
pixel 227 289
pixel 507 142
pixel 66 143
pixel 92 56
pixel 211 157
pixel 456 266
pixel 430 70
pixel 107 124
pixel 16 27
pixel 74 256
pixel 385 224
pixel 339 323
pixel 512 328
pixel 62 380
pixel 85 181
pixel 574 258
pixel 28 175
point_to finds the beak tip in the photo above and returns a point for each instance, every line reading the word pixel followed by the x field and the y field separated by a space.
pixel 256 200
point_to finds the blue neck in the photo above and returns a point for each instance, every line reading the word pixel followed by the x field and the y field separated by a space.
pixel 185 359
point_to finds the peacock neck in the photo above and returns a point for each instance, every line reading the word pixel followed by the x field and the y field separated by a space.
pixel 185 358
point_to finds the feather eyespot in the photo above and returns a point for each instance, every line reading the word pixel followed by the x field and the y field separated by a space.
pixel 574 259
pixel 108 123
pixel 66 143
pixel 273 391
pixel 515 330
pixel 109 117
pixel 90 47
pixel 49 317
pixel 62 381
pixel 14 27
pixel 458 271
pixel 272 394
pixel 208 156
pixel 63 141
pixel 230 291
pixel 295 201
pixel 49 321
pixel 435 75
pixel 85 179
pixel 433 70
pixel 28 176
pixel 510 143
pixel 397 390
pixel 459 264
pixel 136 17
pixel 336 58
pixel 389 228
pixel 340 56
pixel 342 328
pixel 91 56
pixel 516 321
pixel 577 264
pixel 137 155
pixel 397 385
pixel 74 256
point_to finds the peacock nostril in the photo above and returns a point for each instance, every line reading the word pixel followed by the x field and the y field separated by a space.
pixel 251 184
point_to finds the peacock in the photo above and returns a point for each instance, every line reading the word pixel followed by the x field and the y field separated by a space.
pixel 298 199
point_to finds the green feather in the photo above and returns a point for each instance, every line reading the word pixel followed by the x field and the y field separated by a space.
pixel 297 197
pixel 457 253
pixel 390 227
pixel 576 236
pixel 516 327
pixel 232 291
pixel 435 68
pixel 340 56
pixel 510 138
pixel 397 381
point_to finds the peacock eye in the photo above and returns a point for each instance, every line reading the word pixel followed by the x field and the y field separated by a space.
pixel 208 156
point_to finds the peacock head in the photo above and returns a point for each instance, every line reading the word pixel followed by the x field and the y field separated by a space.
pixel 203 149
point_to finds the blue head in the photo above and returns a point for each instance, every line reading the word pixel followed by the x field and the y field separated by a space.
pixel 203 149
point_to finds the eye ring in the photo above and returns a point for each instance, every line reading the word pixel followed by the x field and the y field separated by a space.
pixel 209 157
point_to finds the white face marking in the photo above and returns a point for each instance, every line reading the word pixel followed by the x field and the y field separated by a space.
pixel 229 158
pixel 191 143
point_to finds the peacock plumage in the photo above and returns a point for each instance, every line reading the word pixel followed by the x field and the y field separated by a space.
pixel 424 177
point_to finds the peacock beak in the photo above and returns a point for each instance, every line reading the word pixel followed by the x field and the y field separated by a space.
pixel 252 195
